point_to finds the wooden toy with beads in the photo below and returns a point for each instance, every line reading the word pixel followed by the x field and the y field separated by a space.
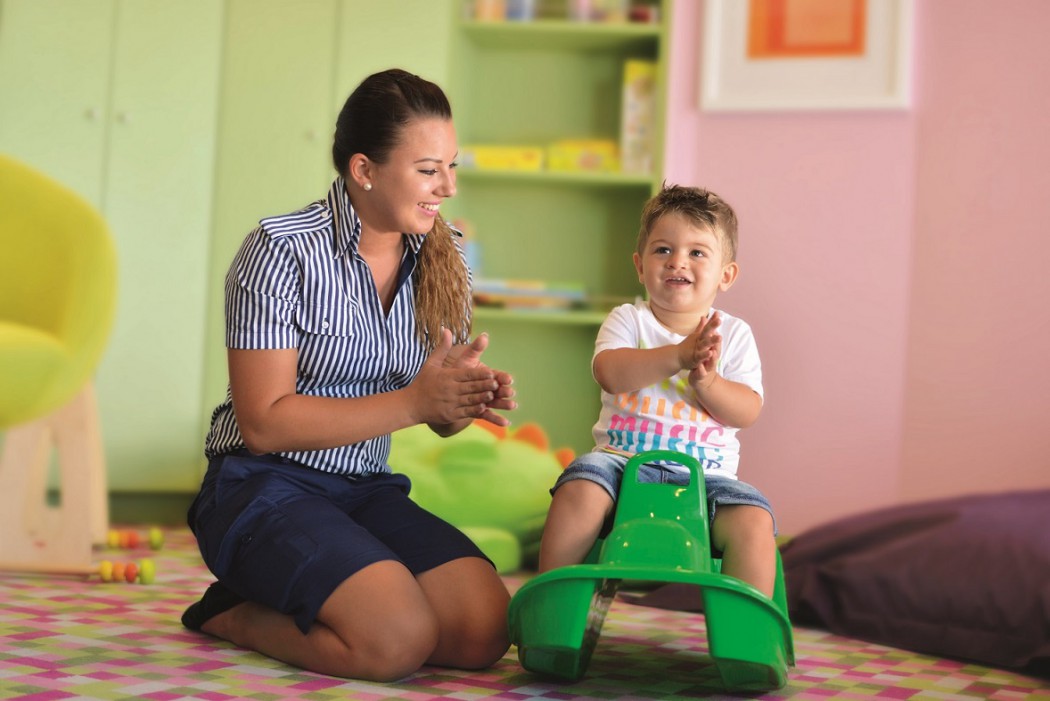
pixel 143 571
pixel 125 539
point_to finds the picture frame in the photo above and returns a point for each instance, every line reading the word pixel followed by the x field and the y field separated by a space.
pixel 767 55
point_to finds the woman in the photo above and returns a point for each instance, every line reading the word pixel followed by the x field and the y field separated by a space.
pixel 341 320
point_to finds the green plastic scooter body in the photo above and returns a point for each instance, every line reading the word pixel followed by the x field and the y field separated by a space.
pixel 660 534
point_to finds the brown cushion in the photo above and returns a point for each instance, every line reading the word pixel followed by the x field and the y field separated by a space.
pixel 966 578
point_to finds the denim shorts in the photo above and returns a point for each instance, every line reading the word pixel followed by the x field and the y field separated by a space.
pixel 285 535
pixel 606 469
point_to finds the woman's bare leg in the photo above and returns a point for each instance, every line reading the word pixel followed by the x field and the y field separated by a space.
pixel 470 602
pixel 378 625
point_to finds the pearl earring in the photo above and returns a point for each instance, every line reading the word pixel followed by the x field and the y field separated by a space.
pixel 367 186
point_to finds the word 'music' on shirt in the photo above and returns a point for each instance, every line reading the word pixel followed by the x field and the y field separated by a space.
pixel 681 428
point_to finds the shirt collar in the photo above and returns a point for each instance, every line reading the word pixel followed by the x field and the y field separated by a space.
pixel 348 225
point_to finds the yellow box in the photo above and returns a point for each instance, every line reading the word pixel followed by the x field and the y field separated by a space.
pixel 584 155
pixel 486 157
pixel 638 116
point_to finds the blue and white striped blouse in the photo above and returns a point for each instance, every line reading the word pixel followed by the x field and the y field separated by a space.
pixel 299 282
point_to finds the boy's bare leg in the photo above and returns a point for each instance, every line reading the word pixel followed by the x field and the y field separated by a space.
pixel 744 534
pixel 575 519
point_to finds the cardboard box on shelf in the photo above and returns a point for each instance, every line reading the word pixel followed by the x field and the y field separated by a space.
pixel 499 157
pixel 583 155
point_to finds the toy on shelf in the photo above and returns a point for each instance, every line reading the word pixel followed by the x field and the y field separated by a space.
pixel 125 539
pixel 660 534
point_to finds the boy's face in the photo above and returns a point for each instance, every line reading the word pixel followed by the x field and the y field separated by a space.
pixel 682 267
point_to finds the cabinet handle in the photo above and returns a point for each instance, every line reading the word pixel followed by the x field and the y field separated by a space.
pixel 123 117
pixel 311 135
pixel 91 114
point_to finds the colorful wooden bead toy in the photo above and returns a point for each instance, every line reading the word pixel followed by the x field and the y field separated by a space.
pixel 128 540
pixel 141 572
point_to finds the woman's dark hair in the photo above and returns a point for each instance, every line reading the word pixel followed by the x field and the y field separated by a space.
pixel 378 109
pixel 371 123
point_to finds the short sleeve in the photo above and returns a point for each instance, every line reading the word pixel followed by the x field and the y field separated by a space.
pixel 262 295
pixel 740 361
pixel 619 330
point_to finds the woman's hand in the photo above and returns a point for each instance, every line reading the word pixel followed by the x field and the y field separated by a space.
pixel 454 387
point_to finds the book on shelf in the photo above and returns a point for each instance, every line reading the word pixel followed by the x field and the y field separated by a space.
pixel 528 294
pixel 541 295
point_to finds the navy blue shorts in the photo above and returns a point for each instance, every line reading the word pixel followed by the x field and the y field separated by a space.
pixel 285 535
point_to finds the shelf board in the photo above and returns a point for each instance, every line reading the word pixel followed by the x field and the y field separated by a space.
pixel 549 34
pixel 573 317
pixel 586 178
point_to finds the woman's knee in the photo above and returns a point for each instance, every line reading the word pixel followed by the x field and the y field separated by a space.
pixel 470 601
pixel 400 646
pixel 386 626
pixel 479 640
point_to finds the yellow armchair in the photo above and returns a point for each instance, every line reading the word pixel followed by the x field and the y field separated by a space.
pixel 58 279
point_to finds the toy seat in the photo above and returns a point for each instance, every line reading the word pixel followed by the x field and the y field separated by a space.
pixel 57 301
pixel 660 534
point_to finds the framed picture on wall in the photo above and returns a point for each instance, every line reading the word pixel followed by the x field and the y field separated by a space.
pixel 806 54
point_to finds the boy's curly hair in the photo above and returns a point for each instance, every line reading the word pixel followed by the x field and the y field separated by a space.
pixel 702 207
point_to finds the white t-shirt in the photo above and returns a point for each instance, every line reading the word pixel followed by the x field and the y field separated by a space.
pixel 665 416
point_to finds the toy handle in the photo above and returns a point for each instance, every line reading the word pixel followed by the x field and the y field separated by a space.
pixel 644 500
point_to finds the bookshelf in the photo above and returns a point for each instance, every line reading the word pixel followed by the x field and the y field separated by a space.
pixel 531 84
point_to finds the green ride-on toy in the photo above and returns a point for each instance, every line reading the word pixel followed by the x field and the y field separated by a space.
pixel 660 534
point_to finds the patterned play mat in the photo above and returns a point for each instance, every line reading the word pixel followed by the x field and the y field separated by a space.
pixel 67 638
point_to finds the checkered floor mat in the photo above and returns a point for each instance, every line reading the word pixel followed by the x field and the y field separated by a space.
pixel 67 638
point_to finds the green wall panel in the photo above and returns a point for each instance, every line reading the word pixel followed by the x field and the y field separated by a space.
pixel 164 97
pixel 54 87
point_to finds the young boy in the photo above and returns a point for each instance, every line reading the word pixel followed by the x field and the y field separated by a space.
pixel 675 374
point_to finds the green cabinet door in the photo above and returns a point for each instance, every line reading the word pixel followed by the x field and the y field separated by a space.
pixel 54 87
pixel 409 34
pixel 158 199
pixel 276 118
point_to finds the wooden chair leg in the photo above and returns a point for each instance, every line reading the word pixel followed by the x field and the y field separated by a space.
pixel 39 536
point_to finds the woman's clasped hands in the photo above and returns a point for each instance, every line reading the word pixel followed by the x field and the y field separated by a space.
pixel 455 386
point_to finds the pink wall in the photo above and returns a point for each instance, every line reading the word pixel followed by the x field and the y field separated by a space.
pixel 880 252
pixel 978 405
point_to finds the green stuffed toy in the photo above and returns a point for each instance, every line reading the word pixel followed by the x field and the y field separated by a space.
pixel 492 484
